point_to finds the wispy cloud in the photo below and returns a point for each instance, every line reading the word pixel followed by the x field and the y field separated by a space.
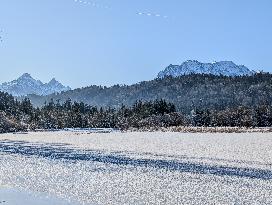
pixel 92 3
pixel 98 5
pixel 152 15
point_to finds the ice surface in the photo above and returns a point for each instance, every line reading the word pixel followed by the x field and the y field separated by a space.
pixel 19 197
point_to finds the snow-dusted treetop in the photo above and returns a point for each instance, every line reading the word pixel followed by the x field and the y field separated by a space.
pixel 25 85
pixel 226 68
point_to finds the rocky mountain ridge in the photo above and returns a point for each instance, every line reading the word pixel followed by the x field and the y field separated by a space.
pixel 26 85
pixel 225 68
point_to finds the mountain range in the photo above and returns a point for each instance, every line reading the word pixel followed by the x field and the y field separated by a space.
pixel 225 68
pixel 188 86
pixel 25 85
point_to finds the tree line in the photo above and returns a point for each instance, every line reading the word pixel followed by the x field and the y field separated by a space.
pixel 186 92
pixel 22 115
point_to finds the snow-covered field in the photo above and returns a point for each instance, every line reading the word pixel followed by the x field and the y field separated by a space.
pixel 140 168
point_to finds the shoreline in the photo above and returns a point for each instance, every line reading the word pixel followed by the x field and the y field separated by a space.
pixel 185 129
pixel 174 129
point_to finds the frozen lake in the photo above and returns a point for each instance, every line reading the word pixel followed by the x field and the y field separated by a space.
pixel 140 168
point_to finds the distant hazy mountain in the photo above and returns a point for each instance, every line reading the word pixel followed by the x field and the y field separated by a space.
pixel 226 68
pixel 25 85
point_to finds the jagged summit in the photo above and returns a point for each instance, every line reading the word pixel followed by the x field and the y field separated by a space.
pixel 53 81
pixel 227 68
pixel 26 75
pixel 26 84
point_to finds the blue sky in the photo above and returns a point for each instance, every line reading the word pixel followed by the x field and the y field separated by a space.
pixel 82 44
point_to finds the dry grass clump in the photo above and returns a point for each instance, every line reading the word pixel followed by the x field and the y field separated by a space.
pixel 9 124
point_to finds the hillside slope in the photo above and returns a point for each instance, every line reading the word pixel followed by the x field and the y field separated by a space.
pixel 186 92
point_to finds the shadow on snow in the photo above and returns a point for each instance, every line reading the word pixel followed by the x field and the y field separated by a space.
pixel 62 152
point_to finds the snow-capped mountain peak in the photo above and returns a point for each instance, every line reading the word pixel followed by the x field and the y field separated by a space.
pixel 226 68
pixel 53 81
pixel 26 76
pixel 25 79
pixel 26 84
pixel 55 86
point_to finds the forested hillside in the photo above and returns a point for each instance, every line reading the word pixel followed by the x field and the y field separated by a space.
pixel 12 113
pixel 193 100
pixel 188 92
pixel 19 116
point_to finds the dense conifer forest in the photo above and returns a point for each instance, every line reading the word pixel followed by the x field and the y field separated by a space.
pixel 195 100
pixel 186 92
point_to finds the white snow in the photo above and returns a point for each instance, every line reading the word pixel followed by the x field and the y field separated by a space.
pixel 25 85
pixel 226 68
pixel 141 168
